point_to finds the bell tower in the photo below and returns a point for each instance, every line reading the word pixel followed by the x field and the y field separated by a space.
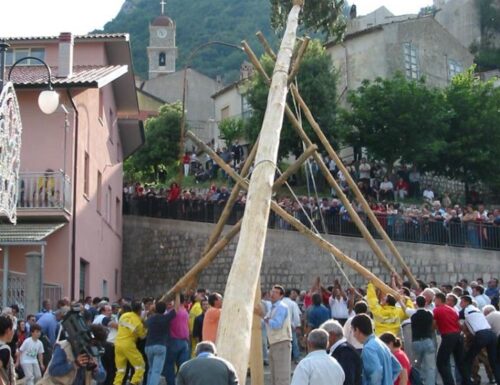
pixel 162 51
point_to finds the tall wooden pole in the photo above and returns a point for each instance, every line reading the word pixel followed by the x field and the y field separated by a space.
pixel 237 313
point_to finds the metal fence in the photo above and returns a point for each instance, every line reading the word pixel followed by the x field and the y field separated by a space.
pixel 398 227
pixel 16 291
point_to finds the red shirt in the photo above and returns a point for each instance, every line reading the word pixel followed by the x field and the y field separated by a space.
pixel 405 363
pixel 446 319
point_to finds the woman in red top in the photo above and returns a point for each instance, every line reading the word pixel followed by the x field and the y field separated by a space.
pixel 174 192
pixel 394 344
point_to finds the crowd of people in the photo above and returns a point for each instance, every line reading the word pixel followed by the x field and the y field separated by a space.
pixel 434 221
pixel 334 335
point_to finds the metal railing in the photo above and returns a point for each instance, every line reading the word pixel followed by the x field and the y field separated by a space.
pixel 398 227
pixel 44 190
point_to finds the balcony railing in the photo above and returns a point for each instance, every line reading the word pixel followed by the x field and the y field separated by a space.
pixel 44 191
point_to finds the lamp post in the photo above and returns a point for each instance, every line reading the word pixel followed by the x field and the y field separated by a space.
pixel 184 91
pixel 48 102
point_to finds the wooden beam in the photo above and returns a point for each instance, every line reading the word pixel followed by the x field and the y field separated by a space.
pixel 256 357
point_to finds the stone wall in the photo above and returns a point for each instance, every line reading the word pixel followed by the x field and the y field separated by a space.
pixel 157 252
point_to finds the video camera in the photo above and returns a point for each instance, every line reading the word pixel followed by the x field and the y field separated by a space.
pixel 79 336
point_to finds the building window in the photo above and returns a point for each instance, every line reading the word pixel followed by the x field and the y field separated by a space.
pixel 118 210
pixel 107 208
pixel 101 107
pixel 86 166
pixel 84 266
pixel 411 62
pixel 105 288
pixel 15 54
pixel 99 192
pixel 454 68
pixel 162 59
pixel 117 277
pixel 224 113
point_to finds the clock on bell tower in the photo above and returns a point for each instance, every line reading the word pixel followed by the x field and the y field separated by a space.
pixel 162 51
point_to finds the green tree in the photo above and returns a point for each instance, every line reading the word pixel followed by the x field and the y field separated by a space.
pixel 396 119
pixel 161 148
pixel 472 140
pixel 231 129
pixel 316 82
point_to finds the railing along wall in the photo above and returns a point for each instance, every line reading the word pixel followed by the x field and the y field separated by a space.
pixel 399 227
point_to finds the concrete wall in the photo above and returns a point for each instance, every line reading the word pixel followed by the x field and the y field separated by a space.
pixel 461 18
pixel 156 252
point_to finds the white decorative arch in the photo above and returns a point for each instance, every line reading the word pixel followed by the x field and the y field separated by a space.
pixel 10 151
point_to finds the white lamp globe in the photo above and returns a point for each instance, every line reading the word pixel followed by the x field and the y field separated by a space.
pixel 48 101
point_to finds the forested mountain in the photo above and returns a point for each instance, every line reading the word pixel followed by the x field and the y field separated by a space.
pixel 198 21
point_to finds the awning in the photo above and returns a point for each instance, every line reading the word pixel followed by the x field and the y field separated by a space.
pixel 27 233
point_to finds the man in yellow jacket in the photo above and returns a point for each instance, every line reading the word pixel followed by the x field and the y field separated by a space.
pixel 387 316
pixel 130 329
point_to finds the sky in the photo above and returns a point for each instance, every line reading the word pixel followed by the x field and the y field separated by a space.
pixel 50 17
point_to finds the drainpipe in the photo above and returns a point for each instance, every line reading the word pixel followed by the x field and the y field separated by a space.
pixel 73 213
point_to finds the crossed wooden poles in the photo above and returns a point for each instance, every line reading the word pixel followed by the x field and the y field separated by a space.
pixel 253 224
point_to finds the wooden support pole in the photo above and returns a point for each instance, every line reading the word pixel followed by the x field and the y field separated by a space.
pixel 295 166
pixel 326 172
pixel 352 184
pixel 236 318
pixel 296 63
pixel 266 45
pixel 297 224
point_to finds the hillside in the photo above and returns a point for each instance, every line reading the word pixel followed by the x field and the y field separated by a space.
pixel 197 22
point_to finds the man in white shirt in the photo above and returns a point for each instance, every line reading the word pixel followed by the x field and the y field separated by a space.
pixel 318 368
pixel 482 337
pixel 290 300
pixel 493 317
pixel 481 299
pixel 338 305
pixel 428 194
pixel 360 307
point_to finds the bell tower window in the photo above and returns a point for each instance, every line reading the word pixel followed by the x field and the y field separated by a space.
pixel 161 59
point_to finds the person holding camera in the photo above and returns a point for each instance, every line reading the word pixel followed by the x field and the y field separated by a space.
pixel 67 369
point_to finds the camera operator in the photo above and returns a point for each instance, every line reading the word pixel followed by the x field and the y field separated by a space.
pixel 66 369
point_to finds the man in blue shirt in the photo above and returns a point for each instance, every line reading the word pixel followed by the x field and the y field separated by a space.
pixel 380 367
pixel 317 313
pixel 49 322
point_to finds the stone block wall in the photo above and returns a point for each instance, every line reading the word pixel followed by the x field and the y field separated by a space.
pixel 157 252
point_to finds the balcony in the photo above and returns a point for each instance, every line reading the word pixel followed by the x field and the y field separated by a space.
pixel 44 196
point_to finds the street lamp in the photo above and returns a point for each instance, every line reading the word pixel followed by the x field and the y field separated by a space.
pixel 48 100
pixel 184 90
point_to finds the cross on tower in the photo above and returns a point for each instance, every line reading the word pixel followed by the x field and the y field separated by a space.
pixel 163 3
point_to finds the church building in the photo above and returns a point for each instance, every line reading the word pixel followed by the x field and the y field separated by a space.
pixel 167 83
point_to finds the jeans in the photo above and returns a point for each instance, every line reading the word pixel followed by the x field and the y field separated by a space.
pixel 483 339
pixel 424 353
pixel 295 345
pixel 452 343
pixel 156 358
pixel 177 354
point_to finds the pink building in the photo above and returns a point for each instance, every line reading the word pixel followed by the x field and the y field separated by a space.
pixel 70 192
